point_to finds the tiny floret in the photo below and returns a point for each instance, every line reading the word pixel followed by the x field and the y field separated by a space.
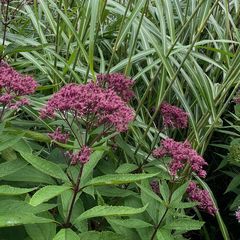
pixel 81 156
pixel 237 214
pixel 173 116
pixel 14 86
pixel 90 101
pixel 155 186
pixel 202 197
pixel 118 83
pixel 181 154
pixel 59 136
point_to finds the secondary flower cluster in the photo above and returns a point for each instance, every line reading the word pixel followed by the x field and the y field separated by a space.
pixel 14 86
pixel 202 197
pixel 59 136
pixel 237 214
pixel 173 116
pixel 90 101
pixel 181 154
pixel 81 156
pixel 118 83
pixel 155 186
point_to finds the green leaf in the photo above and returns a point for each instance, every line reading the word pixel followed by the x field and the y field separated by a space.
pixel 131 223
pixel 104 235
pixel 29 174
pixel 91 164
pixel 46 193
pixel 9 140
pixel 10 220
pixel 185 225
pixel 235 182
pixel 43 231
pixel 45 166
pixel 163 234
pixel 66 234
pixel 113 179
pixel 9 154
pixel 15 206
pixel 16 48
pixel 10 167
pixel 114 191
pixel 106 211
pixel 126 168
pixel 178 193
pixel 8 190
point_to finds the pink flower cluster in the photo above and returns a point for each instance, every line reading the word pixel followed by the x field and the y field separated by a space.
pixel 14 86
pixel 155 186
pixel 202 197
pixel 92 102
pixel 181 154
pixel 81 156
pixel 59 136
pixel 237 214
pixel 173 116
pixel 118 83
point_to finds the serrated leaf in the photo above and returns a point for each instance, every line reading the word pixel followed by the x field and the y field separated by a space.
pixel 91 164
pixel 150 193
pixel 114 179
pixel 184 205
pixel 8 190
pixel 131 223
pixel 126 168
pixel 66 234
pixel 8 141
pixel 45 166
pixel 106 211
pixel 46 193
pixel 10 220
pixel 41 231
pixel 15 206
pixel 184 225
pixel 235 182
pixel 163 234
pixel 29 174
pixel 8 154
pixel 114 191
pixel 10 167
pixel 104 235
pixel 178 193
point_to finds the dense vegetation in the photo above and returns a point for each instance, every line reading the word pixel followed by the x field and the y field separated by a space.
pixel 119 119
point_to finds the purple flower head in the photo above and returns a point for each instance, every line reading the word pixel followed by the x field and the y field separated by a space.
pixel 118 83
pixel 237 214
pixel 81 156
pixel 181 154
pixel 59 136
pixel 202 197
pixel 155 186
pixel 236 99
pixel 13 86
pixel 173 116
pixel 103 106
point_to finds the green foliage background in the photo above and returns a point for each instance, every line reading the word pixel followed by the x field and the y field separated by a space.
pixel 185 52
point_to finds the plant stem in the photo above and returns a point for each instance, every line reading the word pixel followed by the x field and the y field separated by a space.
pixel 165 213
pixel 75 192
pixel 160 222
pixel 5 23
